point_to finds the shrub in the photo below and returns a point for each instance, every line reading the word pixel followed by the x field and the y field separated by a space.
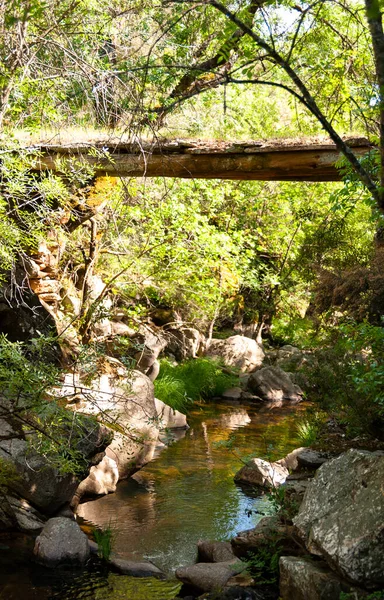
pixel 195 379
pixel 347 378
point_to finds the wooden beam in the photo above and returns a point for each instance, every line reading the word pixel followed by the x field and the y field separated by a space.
pixel 283 160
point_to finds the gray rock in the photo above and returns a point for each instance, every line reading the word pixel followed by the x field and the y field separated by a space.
pixel 214 552
pixel 37 481
pixel 209 577
pixel 27 517
pixel 125 398
pixel 311 459
pixel 234 393
pixel 302 578
pixel 135 569
pixel 274 385
pixel 265 533
pixel 237 351
pixel 261 473
pixel 342 516
pixel 295 490
pixel 61 543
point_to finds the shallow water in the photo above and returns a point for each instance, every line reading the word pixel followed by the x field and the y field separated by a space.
pixel 187 493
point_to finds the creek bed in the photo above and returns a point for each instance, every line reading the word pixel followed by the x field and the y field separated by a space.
pixel 185 494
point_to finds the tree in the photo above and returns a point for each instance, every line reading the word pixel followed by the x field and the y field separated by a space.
pixel 278 58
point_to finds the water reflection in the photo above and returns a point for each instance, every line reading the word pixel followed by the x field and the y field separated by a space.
pixel 188 493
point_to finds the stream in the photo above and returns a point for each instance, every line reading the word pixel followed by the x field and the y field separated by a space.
pixel 185 494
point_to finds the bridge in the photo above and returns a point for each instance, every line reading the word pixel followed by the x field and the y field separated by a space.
pixel 278 160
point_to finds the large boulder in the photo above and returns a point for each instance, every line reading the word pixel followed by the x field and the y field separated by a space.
pixel 209 577
pixel 125 401
pixel 185 342
pixel 274 385
pixel 342 516
pixel 170 418
pixel 237 351
pixel 61 544
pixel 102 479
pixel 302 578
pixel 261 473
pixel 35 480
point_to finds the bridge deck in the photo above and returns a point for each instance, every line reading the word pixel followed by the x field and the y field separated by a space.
pixel 281 160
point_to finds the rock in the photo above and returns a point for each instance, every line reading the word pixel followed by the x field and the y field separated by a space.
pixel 289 358
pixel 37 481
pixel 304 458
pixel 249 397
pixel 61 543
pixel 93 547
pixel 290 460
pixel 311 459
pixel 264 534
pixel 209 577
pixel 237 351
pixel 27 517
pixel 214 552
pixel 185 342
pixel 274 385
pixel 261 473
pixel 302 578
pixel 135 569
pixel 102 479
pixel 119 328
pixel 125 399
pixel 233 393
pixel 295 490
pixel 170 418
pixel 342 516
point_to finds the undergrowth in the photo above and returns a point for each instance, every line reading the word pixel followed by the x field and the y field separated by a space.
pixel 104 539
pixel 192 380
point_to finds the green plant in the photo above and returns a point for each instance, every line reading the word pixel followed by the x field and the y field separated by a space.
pixel 263 564
pixel 172 392
pixel 347 377
pixel 283 504
pixel 310 427
pixel 195 379
pixel 104 538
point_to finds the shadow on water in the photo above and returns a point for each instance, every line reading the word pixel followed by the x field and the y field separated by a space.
pixel 187 493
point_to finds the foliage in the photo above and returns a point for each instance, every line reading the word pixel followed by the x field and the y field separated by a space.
pixel 263 564
pixel 286 507
pixel 172 392
pixel 310 427
pixel 348 377
pixel 195 379
pixel 27 379
pixel 104 538
pixel 8 474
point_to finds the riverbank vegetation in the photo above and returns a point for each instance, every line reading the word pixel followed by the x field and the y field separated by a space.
pixel 103 276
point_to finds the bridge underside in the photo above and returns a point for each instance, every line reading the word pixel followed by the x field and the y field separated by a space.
pixel 282 160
